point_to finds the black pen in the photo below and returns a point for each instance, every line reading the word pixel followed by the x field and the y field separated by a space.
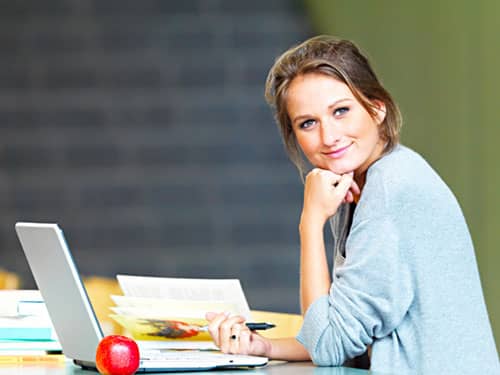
pixel 259 326
pixel 251 326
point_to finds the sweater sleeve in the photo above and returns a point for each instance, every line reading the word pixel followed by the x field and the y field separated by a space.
pixel 369 297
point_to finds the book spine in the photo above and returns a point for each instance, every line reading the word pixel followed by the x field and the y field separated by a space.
pixel 26 333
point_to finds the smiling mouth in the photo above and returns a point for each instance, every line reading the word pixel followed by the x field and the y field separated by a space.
pixel 338 153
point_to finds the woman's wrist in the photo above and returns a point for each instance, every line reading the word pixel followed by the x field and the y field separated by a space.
pixel 310 222
pixel 268 351
pixel 287 349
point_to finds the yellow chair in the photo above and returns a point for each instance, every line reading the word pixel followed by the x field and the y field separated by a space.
pixel 99 290
pixel 9 280
pixel 287 325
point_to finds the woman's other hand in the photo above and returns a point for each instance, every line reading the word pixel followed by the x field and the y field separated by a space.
pixel 324 191
pixel 232 336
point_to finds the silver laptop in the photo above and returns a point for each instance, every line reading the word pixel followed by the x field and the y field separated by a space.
pixel 73 317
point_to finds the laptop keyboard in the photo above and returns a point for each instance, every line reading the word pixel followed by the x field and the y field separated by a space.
pixel 182 355
pixel 170 360
pixel 198 359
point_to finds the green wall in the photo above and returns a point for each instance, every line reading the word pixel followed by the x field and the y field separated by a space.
pixel 441 61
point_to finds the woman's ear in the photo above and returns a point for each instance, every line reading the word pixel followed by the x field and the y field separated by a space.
pixel 380 111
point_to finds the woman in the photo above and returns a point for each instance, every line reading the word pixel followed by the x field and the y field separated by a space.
pixel 405 280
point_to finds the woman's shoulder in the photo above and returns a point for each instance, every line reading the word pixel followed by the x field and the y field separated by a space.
pixel 402 178
pixel 398 158
pixel 402 166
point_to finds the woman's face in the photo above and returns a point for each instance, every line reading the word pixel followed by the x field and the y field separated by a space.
pixel 332 128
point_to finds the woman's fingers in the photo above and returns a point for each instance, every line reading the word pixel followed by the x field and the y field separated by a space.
pixel 228 333
pixel 355 188
pixel 324 191
pixel 244 342
pixel 349 198
pixel 235 339
pixel 342 186
pixel 231 335
pixel 215 320
pixel 210 315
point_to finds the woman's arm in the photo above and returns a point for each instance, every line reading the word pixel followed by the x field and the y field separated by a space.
pixel 288 349
pixel 371 295
pixel 324 191
pixel 314 274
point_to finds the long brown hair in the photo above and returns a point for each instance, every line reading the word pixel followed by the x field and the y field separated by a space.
pixel 342 60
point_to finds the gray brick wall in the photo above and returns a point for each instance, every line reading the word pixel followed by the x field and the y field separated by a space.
pixel 141 128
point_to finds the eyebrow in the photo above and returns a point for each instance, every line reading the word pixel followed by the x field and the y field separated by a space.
pixel 334 104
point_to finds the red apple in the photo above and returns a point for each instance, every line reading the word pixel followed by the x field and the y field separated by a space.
pixel 117 355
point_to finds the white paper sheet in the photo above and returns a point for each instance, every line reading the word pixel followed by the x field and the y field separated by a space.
pixel 223 291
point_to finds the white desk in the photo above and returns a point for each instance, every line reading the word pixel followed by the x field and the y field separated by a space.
pixel 273 368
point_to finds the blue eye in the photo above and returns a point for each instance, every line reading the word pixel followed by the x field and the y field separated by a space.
pixel 306 124
pixel 341 111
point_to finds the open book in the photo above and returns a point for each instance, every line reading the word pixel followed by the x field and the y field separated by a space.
pixel 172 310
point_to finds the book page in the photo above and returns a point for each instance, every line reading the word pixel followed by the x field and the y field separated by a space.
pixel 223 291
pixel 168 308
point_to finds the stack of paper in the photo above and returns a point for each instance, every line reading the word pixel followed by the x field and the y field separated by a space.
pixel 25 325
pixel 173 310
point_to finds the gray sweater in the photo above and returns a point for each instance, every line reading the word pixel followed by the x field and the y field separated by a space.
pixel 405 280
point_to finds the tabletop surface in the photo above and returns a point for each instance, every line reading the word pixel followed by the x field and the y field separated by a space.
pixel 273 368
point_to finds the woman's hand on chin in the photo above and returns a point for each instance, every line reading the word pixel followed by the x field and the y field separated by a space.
pixel 325 191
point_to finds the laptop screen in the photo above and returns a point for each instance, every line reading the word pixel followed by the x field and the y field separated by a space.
pixel 62 289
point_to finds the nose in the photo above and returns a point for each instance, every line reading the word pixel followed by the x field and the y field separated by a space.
pixel 329 133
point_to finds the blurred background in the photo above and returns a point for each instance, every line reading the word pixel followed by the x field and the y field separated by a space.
pixel 141 128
